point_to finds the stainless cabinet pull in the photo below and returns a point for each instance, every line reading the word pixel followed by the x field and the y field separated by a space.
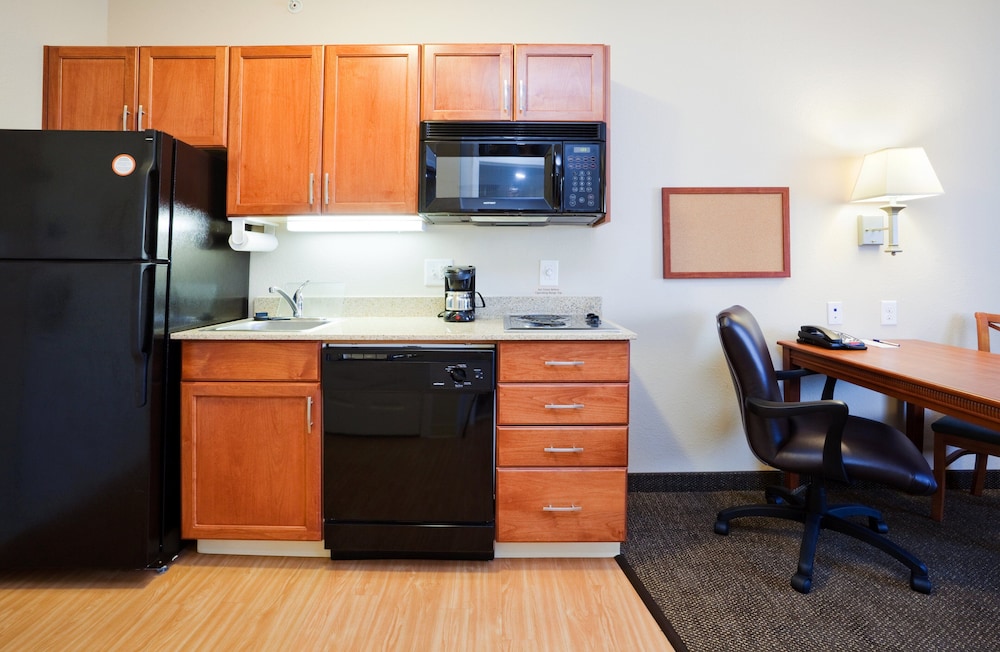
pixel 125 118
pixel 557 449
pixel 309 413
pixel 506 96
pixel 568 406
pixel 312 179
pixel 326 189
pixel 520 96
pixel 564 363
pixel 141 113
pixel 570 508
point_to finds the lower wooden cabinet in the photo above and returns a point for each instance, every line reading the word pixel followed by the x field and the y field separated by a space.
pixel 562 441
pixel 251 441
pixel 561 504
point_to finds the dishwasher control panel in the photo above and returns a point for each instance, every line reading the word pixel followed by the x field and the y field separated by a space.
pixel 409 367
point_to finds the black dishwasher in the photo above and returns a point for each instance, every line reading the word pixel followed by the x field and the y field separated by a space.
pixel 408 451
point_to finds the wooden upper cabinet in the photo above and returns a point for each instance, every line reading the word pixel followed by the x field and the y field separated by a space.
pixel 183 91
pixel 179 90
pixel 89 88
pixel 514 82
pixel 370 121
pixel 274 130
pixel 467 82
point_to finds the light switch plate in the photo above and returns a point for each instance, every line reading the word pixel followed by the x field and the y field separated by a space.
pixel 548 273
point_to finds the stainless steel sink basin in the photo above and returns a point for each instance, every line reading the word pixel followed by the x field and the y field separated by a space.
pixel 277 325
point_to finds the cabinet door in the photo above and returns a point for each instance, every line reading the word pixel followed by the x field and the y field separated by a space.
pixel 274 130
pixel 183 91
pixel 89 88
pixel 251 461
pixel 560 82
pixel 370 122
pixel 467 82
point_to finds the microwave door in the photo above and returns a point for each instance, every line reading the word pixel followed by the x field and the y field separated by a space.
pixel 485 177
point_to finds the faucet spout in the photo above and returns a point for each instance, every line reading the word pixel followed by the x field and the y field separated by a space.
pixel 295 301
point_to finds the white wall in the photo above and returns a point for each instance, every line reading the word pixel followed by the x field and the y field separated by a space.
pixel 705 93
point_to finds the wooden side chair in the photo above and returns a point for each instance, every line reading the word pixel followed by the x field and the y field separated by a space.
pixel 966 438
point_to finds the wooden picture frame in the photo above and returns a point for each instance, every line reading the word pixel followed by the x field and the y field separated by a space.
pixel 725 233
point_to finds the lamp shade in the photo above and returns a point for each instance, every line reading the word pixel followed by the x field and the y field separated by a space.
pixel 896 174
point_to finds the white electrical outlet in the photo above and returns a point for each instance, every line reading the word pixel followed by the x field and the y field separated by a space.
pixel 889 315
pixel 834 313
pixel 548 273
pixel 434 270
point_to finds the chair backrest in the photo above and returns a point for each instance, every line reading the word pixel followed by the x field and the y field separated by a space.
pixel 753 376
pixel 984 322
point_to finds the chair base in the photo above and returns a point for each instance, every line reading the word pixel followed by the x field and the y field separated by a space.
pixel 808 505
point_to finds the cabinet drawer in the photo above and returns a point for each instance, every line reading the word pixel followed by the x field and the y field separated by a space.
pixel 562 446
pixel 562 404
pixel 249 360
pixel 564 361
pixel 547 505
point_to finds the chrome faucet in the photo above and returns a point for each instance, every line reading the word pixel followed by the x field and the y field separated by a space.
pixel 295 301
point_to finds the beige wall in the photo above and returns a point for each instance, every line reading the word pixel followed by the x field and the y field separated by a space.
pixel 704 93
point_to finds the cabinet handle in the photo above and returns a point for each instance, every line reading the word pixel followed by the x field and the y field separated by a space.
pixel 309 413
pixel 568 406
pixel 564 363
pixel 558 449
pixel 326 189
pixel 506 96
pixel 141 113
pixel 520 96
pixel 568 508
pixel 125 118
pixel 312 178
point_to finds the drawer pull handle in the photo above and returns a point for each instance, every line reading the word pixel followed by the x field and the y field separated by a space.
pixel 564 363
pixel 555 508
pixel 568 406
pixel 557 449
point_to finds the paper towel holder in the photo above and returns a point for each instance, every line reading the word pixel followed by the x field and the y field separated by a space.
pixel 239 224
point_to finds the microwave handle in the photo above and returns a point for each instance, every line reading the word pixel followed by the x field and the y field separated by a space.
pixel 557 181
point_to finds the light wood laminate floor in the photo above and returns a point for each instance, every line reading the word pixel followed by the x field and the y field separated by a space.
pixel 222 602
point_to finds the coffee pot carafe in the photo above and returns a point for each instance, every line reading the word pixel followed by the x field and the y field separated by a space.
pixel 460 293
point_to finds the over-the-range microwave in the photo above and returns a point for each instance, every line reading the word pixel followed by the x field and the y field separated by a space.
pixel 512 173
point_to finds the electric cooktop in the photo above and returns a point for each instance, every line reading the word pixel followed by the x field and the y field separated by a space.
pixel 537 321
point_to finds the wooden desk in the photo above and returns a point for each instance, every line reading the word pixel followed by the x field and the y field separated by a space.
pixel 964 383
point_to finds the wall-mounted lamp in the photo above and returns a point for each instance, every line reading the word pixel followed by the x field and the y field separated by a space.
pixel 893 175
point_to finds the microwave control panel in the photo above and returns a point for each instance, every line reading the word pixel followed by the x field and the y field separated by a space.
pixel 582 184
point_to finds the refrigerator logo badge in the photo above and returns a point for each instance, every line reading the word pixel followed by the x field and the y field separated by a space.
pixel 123 165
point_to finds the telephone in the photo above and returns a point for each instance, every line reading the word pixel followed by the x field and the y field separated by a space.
pixel 829 339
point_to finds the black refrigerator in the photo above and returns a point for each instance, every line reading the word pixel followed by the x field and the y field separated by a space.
pixel 109 242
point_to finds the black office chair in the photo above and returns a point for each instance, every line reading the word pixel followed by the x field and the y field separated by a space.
pixel 823 443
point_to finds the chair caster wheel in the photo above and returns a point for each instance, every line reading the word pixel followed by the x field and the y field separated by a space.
pixel 721 527
pixel 921 584
pixel 878 525
pixel 802 583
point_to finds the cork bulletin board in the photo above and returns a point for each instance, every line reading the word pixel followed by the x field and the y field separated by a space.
pixel 725 233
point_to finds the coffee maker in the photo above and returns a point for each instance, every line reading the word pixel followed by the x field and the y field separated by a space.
pixel 459 293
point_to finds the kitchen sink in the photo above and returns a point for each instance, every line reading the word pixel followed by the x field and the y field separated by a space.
pixel 294 325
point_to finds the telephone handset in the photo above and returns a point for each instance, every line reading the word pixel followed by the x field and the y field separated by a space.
pixel 829 339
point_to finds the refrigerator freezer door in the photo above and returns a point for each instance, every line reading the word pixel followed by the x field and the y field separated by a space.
pixel 82 442
pixel 83 195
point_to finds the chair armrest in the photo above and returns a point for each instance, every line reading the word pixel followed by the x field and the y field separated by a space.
pixel 835 411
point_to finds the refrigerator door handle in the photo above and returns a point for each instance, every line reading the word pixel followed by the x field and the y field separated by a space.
pixel 142 331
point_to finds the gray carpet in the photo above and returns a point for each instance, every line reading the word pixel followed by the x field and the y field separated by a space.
pixel 733 593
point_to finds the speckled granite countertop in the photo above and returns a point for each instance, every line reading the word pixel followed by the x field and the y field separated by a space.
pixel 414 319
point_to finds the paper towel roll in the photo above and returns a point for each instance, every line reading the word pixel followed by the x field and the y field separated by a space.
pixel 253 241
